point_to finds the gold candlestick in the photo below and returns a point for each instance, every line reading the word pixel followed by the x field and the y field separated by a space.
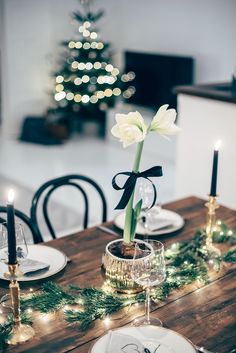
pixel 211 223
pixel 20 332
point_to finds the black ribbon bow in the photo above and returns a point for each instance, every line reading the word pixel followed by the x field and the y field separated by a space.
pixel 130 183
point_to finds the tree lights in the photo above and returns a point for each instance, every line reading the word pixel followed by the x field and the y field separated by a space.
pixel 87 77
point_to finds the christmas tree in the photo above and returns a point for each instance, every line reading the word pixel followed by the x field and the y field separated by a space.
pixel 88 83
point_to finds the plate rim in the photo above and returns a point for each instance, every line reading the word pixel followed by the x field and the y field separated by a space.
pixel 156 233
pixel 45 277
pixel 156 327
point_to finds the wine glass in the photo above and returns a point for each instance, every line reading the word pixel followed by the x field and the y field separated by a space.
pixel 147 216
pixel 21 249
pixel 21 244
pixel 148 270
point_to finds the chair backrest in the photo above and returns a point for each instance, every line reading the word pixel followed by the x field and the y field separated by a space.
pixel 36 236
pixel 45 191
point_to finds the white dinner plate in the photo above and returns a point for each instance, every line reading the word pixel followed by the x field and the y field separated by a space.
pixel 177 222
pixel 55 258
pixel 151 337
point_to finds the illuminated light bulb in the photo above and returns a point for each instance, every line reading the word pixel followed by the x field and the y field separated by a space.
pixel 81 66
pixel 93 80
pixel 86 33
pixel 89 66
pixel 85 78
pixel 111 80
pixel 100 80
pixel 87 24
pixel 78 45
pixel 77 98
pixel 77 81
pixel 127 94
pixel 70 96
pixel 106 320
pixel 230 232
pixel 71 44
pixel 81 29
pixel 93 35
pixel 74 65
pixel 59 87
pixel 85 98
pixel 124 78
pixel 31 289
pixel 108 92
pixel 131 75
pixel 100 45
pixel 132 89
pixel 59 96
pixel 97 65
pixel 116 91
pixel 94 45
pixel 100 94
pixel 93 99
pixel 59 79
pixel 106 79
pixel 86 45
pixel 29 310
pixel 109 68
pixel 115 72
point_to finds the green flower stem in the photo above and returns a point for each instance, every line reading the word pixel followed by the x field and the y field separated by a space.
pixel 129 209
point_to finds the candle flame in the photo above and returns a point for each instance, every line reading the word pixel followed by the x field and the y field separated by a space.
pixel 10 198
pixel 217 145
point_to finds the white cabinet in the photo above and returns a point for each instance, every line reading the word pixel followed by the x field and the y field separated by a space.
pixel 203 122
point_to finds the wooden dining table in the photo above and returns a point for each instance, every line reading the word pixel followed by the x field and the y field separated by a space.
pixel 204 313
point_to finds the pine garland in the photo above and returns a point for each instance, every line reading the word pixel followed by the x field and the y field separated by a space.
pixel 186 262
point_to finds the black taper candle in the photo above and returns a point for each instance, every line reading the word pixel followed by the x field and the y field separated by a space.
pixel 214 170
pixel 12 258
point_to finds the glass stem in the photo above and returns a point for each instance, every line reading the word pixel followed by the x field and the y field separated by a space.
pixel 148 305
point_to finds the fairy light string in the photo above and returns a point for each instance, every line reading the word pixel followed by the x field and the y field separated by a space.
pixel 186 263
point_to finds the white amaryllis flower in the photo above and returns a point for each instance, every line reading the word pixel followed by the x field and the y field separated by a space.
pixel 130 128
pixel 164 121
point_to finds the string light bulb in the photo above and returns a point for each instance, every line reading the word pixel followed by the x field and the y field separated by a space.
pixel 59 87
pixel 77 98
pixel 87 24
pixel 93 35
pixel 78 45
pixel 71 44
pixel 59 79
pixel 85 98
pixel 97 65
pixel 77 81
pixel 86 33
pixel 70 96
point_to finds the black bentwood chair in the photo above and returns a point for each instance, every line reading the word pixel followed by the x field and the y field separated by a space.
pixel 24 219
pixel 45 191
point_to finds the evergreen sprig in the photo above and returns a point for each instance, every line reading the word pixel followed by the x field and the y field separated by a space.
pixel 186 262
pixel 51 298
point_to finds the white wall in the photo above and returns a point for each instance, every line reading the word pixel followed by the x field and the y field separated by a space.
pixel 204 29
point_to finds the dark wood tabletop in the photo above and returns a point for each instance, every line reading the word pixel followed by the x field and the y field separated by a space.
pixel 204 314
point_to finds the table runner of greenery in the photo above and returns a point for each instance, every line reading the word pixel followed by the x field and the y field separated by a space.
pixel 187 261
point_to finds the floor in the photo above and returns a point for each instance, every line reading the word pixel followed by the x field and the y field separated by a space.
pixel 29 165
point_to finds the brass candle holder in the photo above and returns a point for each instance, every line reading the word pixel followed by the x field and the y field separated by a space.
pixel 210 225
pixel 20 332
